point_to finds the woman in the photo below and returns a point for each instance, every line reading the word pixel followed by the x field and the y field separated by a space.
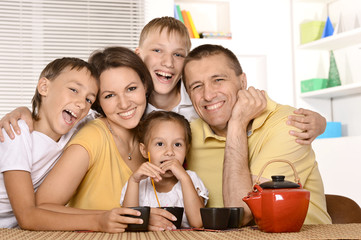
pixel 100 158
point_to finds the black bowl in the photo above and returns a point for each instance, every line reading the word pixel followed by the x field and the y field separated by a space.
pixel 178 213
pixel 215 218
pixel 235 217
pixel 145 211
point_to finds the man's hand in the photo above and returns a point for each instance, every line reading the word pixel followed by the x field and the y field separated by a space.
pixel 310 123
pixel 250 104
pixel 160 220
pixel 12 119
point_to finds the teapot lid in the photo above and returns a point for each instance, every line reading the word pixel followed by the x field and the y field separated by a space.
pixel 278 182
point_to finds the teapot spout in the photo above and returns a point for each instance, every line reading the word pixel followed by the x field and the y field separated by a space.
pixel 254 202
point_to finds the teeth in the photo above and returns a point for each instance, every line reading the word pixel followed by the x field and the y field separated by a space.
pixel 126 114
pixel 214 106
pixel 71 113
pixel 164 74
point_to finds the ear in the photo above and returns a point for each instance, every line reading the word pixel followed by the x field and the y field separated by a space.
pixel 143 150
pixel 137 51
pixel 243 79
pixel 43 86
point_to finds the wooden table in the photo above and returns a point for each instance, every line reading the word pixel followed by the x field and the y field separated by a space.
pixel 335 231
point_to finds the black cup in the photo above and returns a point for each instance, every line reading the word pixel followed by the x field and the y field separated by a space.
pixel 178 213
pixel 215 218
pixel 145 211
pixel 235 217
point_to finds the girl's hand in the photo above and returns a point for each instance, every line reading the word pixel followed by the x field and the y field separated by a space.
pixel 175 167
pixel 310 123
pixel 145 170
pixel 114 221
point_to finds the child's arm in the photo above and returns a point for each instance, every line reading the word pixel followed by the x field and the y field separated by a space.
pixel 311 124
pixel 12 119
pixel 192 202
pixel 21 194
pixel 147 169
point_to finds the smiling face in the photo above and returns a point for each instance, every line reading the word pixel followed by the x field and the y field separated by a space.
pixel 212 86
pixel 163 54
pixel 122 96
pixel 65 101
pixel 163 144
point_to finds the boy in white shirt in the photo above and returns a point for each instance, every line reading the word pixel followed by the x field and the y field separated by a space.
pixel 65 91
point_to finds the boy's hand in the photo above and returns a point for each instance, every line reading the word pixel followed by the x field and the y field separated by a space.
pixel 145 170
pixel 311 124
pixel 249 105
pixel 113 221
pixel 175 167
pixel 12 119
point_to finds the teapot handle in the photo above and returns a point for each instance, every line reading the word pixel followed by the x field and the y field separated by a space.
pixel 297 179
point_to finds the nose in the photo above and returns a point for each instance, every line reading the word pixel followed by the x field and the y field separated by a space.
pixel 81 103
pixel 209 92
pixel 167 60
pixel 169 151
pixel 123 101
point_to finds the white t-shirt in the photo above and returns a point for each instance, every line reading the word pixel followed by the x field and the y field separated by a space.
pixel 31 152
pixel 173 198
pixel 184 107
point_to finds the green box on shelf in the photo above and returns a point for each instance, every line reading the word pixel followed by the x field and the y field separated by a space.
pixel 311 31
pixel 313 84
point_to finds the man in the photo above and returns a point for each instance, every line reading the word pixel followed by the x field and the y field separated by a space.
pixel 240 130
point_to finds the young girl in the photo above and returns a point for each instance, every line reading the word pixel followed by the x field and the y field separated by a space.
pixel 165 137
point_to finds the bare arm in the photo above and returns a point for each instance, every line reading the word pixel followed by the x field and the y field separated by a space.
pixel 237 181
pixel 311 124
pixel 131 197
pixel 21 194
pixel 192 202
pixel 12 119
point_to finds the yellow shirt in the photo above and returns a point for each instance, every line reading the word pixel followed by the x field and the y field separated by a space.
pixel 107 172
pixel 268 139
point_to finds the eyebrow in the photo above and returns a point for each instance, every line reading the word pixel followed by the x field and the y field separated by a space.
pixel 82 86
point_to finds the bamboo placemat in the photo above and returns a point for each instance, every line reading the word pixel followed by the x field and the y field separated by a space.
pixel 335 231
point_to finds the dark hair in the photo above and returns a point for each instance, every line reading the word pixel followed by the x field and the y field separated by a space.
pixel 114 57
pixel 207 50
pixel 53 70
pixel 152 118
pixel 171 25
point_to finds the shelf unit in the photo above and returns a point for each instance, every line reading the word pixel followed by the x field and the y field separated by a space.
pixel 334 92
pixel 208 15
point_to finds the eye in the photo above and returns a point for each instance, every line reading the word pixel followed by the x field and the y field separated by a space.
pixel 156 50
pixel 219 79
pixel 132 89
pixel 159 144
pixel 196 86
pixel 179 55
pixel 89 101
pixel 109 96
pixel 178 144
pixel 73 90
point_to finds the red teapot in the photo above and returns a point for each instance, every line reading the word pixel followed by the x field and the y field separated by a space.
pixel 278 205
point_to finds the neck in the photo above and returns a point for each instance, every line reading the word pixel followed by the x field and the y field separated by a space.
pixel 45 128
pixel 165 101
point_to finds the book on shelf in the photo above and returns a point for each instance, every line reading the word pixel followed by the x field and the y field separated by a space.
pixel 179 13
pixel 194 31
pixel 187 23
pixel 216 35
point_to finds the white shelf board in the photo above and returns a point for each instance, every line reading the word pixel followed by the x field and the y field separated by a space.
pixel 317 1
pixel 334 92
pixel 340 40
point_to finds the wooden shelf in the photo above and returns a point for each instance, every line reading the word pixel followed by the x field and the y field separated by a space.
pixel 334 92
pixel 340 40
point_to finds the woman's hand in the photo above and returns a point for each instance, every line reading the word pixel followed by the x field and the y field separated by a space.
pixel 311 124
